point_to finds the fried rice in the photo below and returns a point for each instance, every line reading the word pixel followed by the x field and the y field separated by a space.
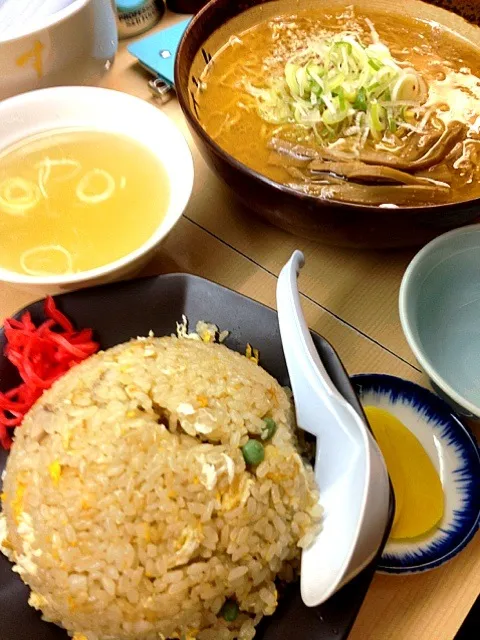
pixel 129 509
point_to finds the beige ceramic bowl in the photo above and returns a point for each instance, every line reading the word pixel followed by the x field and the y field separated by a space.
pixel 91 107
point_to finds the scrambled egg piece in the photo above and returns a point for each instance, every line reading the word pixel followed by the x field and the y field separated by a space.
pixel 185 409
pixel 36 600
pixel 5 544
pixel 238 493
pixel 204 331
pixel 186 546
pixel 202 401
pixel 229 467
pixel 252 354
pixel 55 471
pixel 147 534
pixel 17 502
pixel 271 452
pixel 189 635
pixel 209 476
pixel 143 338
pixel 66 440
pixel 210 473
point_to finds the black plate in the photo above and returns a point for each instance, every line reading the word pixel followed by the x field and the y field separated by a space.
pixel 119 312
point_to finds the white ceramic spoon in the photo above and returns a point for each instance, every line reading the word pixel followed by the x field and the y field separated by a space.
pixel 349 468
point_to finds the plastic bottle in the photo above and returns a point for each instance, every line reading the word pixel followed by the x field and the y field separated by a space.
pixel 136 16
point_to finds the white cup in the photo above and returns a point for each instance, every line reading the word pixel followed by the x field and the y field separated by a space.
pixel 20 16
pixel 73 46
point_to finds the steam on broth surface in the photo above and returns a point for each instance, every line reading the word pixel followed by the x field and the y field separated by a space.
pixel 73 200
pixel 360 107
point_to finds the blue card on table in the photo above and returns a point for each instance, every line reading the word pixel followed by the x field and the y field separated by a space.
pixel 157 52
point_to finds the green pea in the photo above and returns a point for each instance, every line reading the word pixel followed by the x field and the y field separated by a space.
pixel 229 611
pixel 253 452
pixel 269 429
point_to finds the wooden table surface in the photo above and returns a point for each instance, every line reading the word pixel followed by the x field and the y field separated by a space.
pixel 350 297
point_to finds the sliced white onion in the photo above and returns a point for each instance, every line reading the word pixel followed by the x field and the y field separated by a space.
pixel 45 169
pixel 46 248
pixel 409 87
pixel 95 198
pixel 18 205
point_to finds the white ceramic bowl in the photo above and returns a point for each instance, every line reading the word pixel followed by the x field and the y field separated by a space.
pixel 76 45
pixel 106 110
pixel 439 306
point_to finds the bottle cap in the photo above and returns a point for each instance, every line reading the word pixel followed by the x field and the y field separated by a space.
pixel 127 6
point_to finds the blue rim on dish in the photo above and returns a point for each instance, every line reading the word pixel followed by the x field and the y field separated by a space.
pixel 432 421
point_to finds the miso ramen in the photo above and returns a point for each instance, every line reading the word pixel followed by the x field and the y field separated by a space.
pixel 72 200
pixel 358 106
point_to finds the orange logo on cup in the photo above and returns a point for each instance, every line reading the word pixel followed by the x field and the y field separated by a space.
pixel 35 56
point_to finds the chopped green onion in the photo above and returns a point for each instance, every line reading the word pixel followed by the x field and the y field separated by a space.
pixel 336 82
pixel 347 45
pixel 291 77
pixel 315 71
pixel 334 79
pixel 361 100
pixel 341 98
pixel 376 113
pixel 375 64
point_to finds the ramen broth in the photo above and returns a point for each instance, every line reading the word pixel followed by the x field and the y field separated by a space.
pixel 73 200
pixel 240 93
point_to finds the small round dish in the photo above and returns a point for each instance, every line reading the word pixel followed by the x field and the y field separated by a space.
pixel 455 455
